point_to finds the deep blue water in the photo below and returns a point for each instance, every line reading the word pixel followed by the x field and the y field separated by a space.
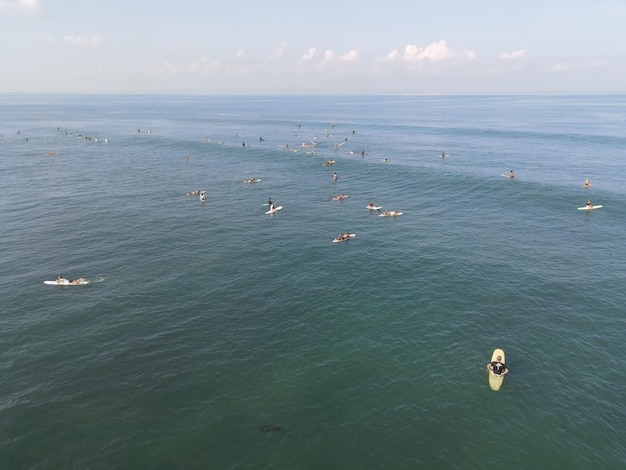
pixel 215 336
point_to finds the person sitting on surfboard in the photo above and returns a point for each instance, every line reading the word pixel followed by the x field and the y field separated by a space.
pixel 511 174
pixel 371 203
pixel 589 205
pixel 498 367
pixel 269 202
pixel 62 280
pixel 586 184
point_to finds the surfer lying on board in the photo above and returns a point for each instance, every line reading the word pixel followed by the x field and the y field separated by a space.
pixel 73 282
pixel 344 236
pixel 498 367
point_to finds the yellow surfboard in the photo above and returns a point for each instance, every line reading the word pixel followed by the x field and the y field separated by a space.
pixel 495 381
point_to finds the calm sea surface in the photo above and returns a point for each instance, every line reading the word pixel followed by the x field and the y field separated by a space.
pixel 215 336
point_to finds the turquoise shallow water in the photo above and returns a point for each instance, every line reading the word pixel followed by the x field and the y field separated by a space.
pixel 215 336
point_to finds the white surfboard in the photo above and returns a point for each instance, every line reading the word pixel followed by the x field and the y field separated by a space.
pixel 335 240
pixel 253 180
pixel 588 208
pixel 81 282
pixel 374 208
pixel 395 214
pixel 340 198
pixel 495 381
pixel 274 210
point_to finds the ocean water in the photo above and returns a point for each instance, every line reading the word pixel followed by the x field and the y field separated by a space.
pixel 215 336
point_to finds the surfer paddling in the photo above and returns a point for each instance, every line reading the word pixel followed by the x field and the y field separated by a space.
pixel 66 282
pixel 498 367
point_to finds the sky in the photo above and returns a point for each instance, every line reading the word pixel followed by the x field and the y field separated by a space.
pixel 321 47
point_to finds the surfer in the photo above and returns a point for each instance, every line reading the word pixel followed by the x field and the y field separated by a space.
pixel 343 236
pixel 589 205
pixel 498 367
pixel 62 280
pixel 586 184
pixel 511 174
pixel 269 202
pixel 335 176
pixel 371 203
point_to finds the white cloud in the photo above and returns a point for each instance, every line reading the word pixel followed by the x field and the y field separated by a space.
pixel 169 68
pixel 393 55
pixel 279 52
pixel 352 56
pixel 203 66
pixel 311 53
pixel 240 54
pixel 23 5
pixel 83 42
pixel 435 52
pixel 515 55
pixel 563 67
pixel 329 55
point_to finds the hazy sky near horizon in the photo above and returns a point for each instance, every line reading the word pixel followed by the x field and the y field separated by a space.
pixel 321 47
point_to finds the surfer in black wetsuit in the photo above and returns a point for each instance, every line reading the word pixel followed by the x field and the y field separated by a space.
pixel 498 367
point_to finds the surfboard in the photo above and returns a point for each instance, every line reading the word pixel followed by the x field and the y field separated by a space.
pixel 495 381
pixel 374 208
pixel 587 208
pixel 340 198
pixel 274 210
pixel 250 181
pixel 352 235
pixel 390 215
pixel 329 162
pixel 81 282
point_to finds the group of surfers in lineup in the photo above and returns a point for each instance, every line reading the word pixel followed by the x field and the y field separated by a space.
pixel 586 185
